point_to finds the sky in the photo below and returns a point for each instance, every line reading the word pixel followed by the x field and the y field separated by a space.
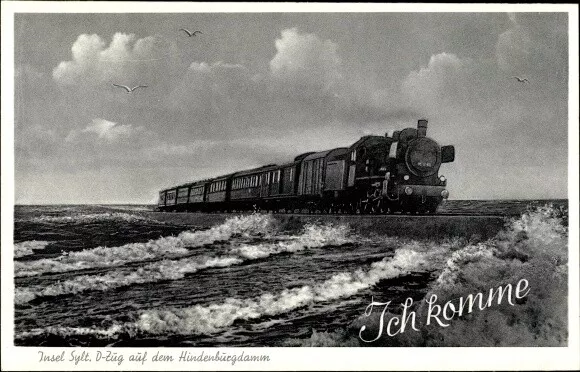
pixel 260 88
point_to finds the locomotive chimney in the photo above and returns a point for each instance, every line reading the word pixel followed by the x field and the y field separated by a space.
pixel 422 128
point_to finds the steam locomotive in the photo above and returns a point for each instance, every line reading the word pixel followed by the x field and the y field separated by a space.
pixel 398 172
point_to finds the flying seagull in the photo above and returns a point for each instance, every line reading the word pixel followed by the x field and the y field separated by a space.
pixel 190 34
pixel 129 90
pixel 524 80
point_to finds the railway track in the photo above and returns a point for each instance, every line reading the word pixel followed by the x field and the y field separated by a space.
pixel 445 214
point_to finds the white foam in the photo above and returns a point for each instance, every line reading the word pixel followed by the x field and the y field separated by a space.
pixel 208 319
pixel 312 236
pixel 153 272
pixel 211 318
pixel 28 247
pixel 89 218
pixel 72 331
pixel 173 246
pixel 176 269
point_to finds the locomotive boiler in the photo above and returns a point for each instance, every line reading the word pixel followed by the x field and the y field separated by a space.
pixel 394 173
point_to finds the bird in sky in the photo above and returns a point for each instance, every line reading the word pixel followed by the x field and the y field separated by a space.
pixel 130 90
pixel 521 80
pixel 189 33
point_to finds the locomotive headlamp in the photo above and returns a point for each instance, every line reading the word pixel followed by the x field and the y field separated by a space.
pixel 442 178
pixel 409 190
pixel 444 194
pixel 406 177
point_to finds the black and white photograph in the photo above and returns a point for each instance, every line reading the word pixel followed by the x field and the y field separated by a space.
pixel 240 185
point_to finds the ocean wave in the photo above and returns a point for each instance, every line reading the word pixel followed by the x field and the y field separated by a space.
pixel 313 236
pixel 110 332
pixel 137 208
pixel 171 247
pixel 28 247
pixel 532 247
pixel 209 319
pixel 89 218
pixel 215 317
pixel 153 272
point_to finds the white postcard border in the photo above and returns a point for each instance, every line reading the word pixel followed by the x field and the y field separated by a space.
pixel 26 358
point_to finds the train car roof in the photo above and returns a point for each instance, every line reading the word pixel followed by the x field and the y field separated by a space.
pixel 221 178
pixel 187 184
pixel 302 156
pixel 323 154
pixel 289 164
pixel 263 168
pixel 366 138
pixel 338 151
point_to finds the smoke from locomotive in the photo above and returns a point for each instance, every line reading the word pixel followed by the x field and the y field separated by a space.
pixel 398 172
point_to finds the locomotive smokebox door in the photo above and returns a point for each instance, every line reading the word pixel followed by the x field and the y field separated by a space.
pixel 422 128
pixel 447 154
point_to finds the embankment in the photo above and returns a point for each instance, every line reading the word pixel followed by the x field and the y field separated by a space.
pixel 438 226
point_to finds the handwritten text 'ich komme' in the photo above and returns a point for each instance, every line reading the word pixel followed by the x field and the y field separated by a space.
pixel 448 311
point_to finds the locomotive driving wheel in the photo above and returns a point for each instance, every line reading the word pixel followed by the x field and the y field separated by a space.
pixel 377 206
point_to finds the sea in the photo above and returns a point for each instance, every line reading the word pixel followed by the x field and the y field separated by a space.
pixel 115 275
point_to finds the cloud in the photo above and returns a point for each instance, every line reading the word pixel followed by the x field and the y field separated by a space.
pixel 126 59
pixel 536 45
pixel 105 130
pixel 306 60
pixel 513 48
pixel 305 86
